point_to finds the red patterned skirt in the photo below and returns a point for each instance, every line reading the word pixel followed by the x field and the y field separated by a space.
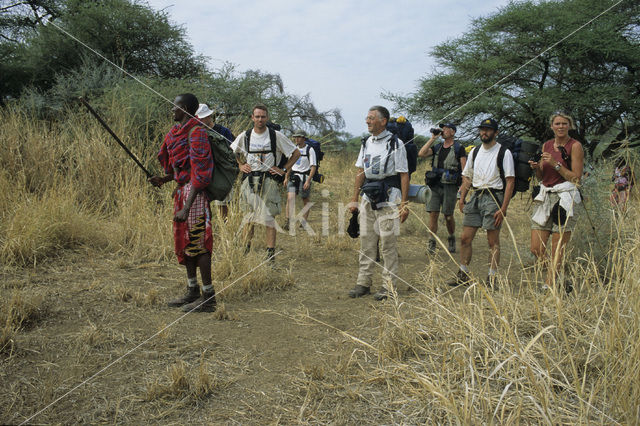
pixel 194 236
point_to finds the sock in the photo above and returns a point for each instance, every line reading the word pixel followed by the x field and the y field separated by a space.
pixel 451 236
pixel 207 288
pixel 464 268
pixel 192 282
pixel 493 272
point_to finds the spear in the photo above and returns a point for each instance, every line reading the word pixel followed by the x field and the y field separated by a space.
pixel 108 129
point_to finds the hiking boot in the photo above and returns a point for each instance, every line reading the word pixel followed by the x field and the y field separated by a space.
pixel 383 294
pixel 271 256
pixel 204 303
pixel 359 291
pixel 492 282
pixel 462 278
pixel 192 294
pixel 431 247
pixel 452 244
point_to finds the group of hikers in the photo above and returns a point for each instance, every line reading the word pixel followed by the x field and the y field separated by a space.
pixel 268 160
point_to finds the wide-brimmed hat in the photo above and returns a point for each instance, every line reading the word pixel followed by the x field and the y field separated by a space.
pixel 203 111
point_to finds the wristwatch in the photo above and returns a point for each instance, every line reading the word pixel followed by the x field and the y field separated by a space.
pixel 557 167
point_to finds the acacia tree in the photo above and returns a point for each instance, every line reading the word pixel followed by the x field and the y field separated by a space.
pixel 131 34
pixel 594 74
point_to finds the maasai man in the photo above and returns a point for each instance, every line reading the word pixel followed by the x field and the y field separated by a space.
pixel 186 158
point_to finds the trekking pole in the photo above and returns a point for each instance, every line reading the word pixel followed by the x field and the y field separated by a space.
pixel 108 129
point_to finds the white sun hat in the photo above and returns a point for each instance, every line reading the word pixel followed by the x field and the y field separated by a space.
pixel 203 111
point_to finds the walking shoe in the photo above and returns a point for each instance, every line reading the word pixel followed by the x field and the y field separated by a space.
pixel 271 256
pixel 452 244
pixel 204 303
pixel 359 291
pixel 462 278
pixel 192 294
pixel 286 225
pixel 431 248
pixel 492 282
pixel 383 294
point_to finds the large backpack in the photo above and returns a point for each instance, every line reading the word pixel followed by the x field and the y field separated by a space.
pixel 522 152
pixel 315 145
pixel 225 166
pixel 404 132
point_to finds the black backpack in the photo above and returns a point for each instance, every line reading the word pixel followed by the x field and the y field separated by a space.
pixel 402 131
pixel 315 145
pixel 522 152
pixel 272 150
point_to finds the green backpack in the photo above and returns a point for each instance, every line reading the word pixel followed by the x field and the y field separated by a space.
pixel 225 166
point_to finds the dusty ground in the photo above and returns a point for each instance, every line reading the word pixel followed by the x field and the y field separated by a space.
pixel 275 357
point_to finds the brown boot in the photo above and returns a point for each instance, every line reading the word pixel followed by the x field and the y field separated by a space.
pixel 204 303
pixel 192 294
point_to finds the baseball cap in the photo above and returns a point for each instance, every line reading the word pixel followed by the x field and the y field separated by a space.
pixel 299 134
pixel 489 123
pixel 203 111
pixel 449 125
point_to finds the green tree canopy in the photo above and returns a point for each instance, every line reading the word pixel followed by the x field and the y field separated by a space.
pixel 594 75
pixel 131 34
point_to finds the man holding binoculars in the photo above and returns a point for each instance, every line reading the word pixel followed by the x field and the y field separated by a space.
pixel 449 159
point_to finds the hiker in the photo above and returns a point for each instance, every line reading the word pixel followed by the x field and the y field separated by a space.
pixel 298 179
pixel 384 182
pixel 623 180
pixel 449 159
pixel 185 156
pixel 489 171
pixel 258 152
pixel 205 114
pixel 554 209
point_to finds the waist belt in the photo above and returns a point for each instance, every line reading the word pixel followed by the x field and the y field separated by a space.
pixel 389 180
pixel 492 191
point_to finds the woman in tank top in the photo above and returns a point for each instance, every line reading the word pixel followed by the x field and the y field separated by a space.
pixel 554 214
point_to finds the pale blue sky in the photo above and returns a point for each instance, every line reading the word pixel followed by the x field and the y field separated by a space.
pixel 344 53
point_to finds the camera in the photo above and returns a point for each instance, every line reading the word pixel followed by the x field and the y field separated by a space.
pixel 435 131
pixel 536 157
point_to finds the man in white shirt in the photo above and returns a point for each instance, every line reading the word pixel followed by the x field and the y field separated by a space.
pixel 493 186
pixel 258 158
pixel 298 179
pixel 383 180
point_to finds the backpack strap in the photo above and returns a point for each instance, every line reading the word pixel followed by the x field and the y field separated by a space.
pixel 434 157
pixel 393 142
pixel 500 161
pixel 272 139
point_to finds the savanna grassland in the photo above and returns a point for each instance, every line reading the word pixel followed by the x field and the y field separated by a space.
pixel 86 337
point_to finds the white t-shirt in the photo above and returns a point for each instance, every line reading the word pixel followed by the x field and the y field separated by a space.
pixel 304 163
pixel 373 156
pixel 261 162
pixel 485 172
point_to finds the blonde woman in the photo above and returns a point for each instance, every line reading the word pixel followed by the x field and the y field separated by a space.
pixel 554 211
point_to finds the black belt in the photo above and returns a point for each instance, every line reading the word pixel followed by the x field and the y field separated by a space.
pixel 389 180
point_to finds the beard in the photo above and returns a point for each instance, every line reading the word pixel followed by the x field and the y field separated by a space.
pixel 486 138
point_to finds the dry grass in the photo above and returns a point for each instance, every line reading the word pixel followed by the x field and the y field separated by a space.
pixel 464 356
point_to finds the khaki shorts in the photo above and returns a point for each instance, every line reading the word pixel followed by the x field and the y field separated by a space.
pixel 444 197
pixel 291 187
pixel 479 210
pixel 263 202
pixel 568 226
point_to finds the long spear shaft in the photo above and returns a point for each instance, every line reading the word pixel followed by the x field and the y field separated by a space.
pixel 108 129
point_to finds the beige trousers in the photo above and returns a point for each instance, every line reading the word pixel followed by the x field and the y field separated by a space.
pixel 378 225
